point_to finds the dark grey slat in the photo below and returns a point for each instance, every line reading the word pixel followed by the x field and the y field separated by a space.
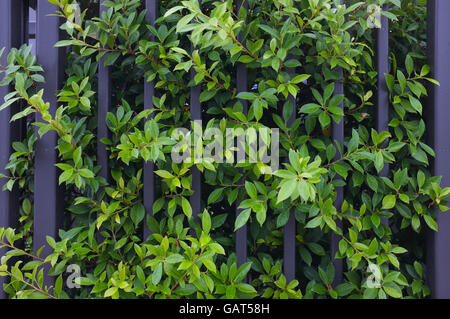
pixel 290 227
pixel 104 104
pixel 48 200
pixel 196 115
pixel 438 117
pixel 11 35
pixel 241 233
pixel 382 62
pixel 241 86
pixel 338 134
pixel 195 199
pixel 149 92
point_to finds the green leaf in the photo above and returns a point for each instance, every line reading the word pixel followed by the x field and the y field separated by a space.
pixel 392 290
pixel 242 219
pixel 300 78
pixel 409 63
pixel 186 206
pixel 309 108
pixel 315 222
pixel 86 173
pixel 157 274
pixel 137 213
pixel 164 174
pixel 111 291
pixel 206 221
pixel 261 216
pixel 379 161
pixel 215 195
pixel 246 288
pixel 390 81
pixel 120 243
pixel 174 259
pixel 389 201
pixel 251 190
pixel 430 222
pixel 209 264
pixel 158 205
pixel 402 80
pixel 217 248
pixel 110 58
pixel 286 189
pixel 283 218
pixel 415 103
pixel 65 176
pixel 247 96
pixel 324 119
pixel 9 102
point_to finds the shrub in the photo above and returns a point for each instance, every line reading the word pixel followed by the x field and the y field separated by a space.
pixel 295 52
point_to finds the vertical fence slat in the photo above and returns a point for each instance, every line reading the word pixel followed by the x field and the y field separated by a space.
pixel 11 35
pixel 104 103
pixel 438 113
pixel 290 227
pixel 382 62
pixel 241 86
pixel 382 58
pixel 31 33
pixel 241 233
pixel 149 92
pixel 48 208
pixel 196 115
pixel 338 135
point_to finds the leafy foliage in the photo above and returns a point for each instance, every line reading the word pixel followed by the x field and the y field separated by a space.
pixel 294 51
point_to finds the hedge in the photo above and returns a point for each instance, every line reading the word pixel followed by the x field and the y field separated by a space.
pixel 296 54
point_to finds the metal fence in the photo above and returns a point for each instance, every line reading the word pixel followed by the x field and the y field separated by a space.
pixel 28 21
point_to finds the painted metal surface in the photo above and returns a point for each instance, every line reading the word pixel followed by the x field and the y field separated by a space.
pixel 48 200
pixel 11 35
pixel 149 92
pixel 382 63
pixel 290 227
pixel 438 113
pixel 104 105
pixel 338 135
pixel 241 86
pixel 196 115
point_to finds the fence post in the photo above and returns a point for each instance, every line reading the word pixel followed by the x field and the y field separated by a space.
pixel 338 135
pixel 382 63
pixel 290 227
pixel 196 115
pixel 104 103
pixel 149 92
pixel 241 86
pixel 438 118
pixel 48 201
pixel 11 35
